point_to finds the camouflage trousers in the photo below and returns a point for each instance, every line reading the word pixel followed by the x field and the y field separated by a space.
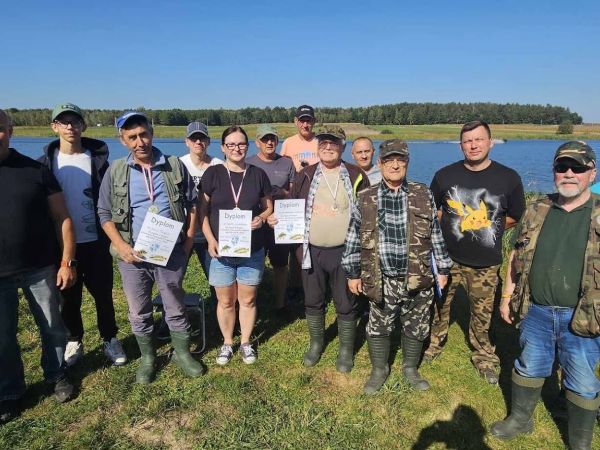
pixel 414 311
pixel 480 286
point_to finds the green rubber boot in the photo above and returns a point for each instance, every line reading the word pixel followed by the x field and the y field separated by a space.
pixel 582 415
pixel 316 330
pixel 180 340
pixel 146 372
pixel 379 353
pixel 347 336
pixel 525 395
pixel 411 353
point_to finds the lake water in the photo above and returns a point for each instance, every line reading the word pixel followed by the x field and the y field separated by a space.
pixel 531 158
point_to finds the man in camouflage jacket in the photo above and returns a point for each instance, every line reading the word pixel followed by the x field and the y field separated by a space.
pixel 392 234
pixel 552 291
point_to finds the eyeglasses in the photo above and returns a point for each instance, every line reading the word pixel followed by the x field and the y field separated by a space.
pixel 233 146
pixel 389 162
pixel 198 137
pixel 476 140
pixel 267 138
pixel 324 144
pixel 65 123
pixel 575 168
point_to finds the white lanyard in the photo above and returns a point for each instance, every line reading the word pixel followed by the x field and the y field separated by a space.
pixel 236 197
pixel 149 183
pixel 331 191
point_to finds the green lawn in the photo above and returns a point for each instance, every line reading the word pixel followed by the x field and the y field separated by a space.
pixel 274 404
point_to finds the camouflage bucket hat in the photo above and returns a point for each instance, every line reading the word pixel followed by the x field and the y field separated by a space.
pixel 330 130
pixel 393 147
pixel 577 150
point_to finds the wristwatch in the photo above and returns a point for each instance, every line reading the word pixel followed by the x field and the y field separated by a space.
pixel 69 263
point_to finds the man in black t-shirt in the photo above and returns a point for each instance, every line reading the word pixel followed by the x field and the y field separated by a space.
pixel 33 209
pixel 477 199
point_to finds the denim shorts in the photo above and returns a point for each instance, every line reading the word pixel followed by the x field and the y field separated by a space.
pixel 226 270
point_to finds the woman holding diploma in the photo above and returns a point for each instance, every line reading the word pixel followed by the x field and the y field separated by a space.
pixel 235 202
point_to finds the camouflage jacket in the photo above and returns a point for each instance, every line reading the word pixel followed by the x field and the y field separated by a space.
pixel 419 275
pixel 586 318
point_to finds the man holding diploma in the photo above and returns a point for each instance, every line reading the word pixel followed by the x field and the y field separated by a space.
pixel 146 182
pixel 388 256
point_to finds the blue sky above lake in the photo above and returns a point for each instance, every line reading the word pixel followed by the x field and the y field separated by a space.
pixel 199 54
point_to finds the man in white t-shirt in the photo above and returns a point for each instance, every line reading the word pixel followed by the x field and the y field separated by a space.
pixel 197 161
pixel 79 163
pixel 302 147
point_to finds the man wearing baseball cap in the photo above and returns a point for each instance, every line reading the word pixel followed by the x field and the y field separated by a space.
pixel 329 189
pixel 280 171
pixel 79 164
pixel 552 293
pixel 393 236
pixel 147 181
pixel 302 147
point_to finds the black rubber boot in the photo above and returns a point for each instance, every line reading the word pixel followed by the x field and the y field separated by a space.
pixel 582 415
pixel 411 353
pixel 525 395
pixel 347 336
pixel 316 330
pixel 146 372
pixel 379 353
pixel 180 340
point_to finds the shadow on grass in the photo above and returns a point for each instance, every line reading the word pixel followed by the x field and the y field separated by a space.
pixel 463 431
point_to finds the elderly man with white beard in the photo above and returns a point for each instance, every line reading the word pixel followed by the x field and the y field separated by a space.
pixel 552 292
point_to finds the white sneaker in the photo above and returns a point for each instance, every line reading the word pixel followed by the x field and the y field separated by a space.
pixel 114 351
pixel 73 352
pixel 225 354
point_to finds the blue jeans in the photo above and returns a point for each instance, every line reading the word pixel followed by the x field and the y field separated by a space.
pixel 545 333
pixel 39 288
pixel 226 270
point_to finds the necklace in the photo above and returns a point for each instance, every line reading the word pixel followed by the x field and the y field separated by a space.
pixel 331 191
pixel 236 196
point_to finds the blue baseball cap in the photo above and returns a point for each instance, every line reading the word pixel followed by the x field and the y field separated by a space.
pixel 121 121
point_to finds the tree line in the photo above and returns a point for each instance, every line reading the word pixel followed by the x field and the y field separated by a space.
pixel 393 114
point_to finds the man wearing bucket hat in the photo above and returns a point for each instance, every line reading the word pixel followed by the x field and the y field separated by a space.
pixel 329 188
pixel 79 164
pixel 551 292
pixel 392 238
pixel 280 171
pixel 147 181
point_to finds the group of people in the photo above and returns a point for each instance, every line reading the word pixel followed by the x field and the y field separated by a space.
pixel 372 238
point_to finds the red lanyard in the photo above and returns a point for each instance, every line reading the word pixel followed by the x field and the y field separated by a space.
pixel 236 197
pixel 148 182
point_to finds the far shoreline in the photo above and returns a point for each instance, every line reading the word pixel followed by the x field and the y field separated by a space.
pixel 438 132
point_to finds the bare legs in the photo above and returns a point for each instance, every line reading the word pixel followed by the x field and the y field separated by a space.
pixel 226 298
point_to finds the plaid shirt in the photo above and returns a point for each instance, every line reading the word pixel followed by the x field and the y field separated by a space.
pixel 393 219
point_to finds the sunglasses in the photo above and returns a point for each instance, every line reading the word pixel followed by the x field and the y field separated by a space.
pixel 575 168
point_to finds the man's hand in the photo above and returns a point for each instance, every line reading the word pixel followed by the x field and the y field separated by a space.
pixel 272 220
pixel 128 254
pixel 355 286
pixel 66 277
pixel 442 280
pixel 188 245
pixel 505 312
pixel 256 223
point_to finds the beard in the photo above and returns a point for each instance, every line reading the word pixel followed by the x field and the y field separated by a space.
pixel 569 190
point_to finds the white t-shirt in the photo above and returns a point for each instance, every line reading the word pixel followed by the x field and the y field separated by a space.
pixel 196 175
pixel 74 174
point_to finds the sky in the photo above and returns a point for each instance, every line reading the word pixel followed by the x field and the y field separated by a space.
pixel 232 54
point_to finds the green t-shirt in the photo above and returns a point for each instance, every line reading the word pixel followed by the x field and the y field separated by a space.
pixel 555 276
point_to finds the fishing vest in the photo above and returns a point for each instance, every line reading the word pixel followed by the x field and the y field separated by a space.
pixel 586 318
pixel 120 206
pixel 418 270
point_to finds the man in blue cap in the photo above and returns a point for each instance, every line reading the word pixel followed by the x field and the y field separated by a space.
pixel 147 181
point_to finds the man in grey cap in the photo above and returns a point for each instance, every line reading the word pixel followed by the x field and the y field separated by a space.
pixel 393 237
pixel 329 188
pixel 280 170
pixel 147 181
pixel 552 293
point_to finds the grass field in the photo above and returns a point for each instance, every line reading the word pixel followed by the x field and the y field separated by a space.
pixel 274 404
pixel 353 130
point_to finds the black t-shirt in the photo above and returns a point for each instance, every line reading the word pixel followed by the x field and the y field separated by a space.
pixel 474 206
pixel 215 183
pixel 27 233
